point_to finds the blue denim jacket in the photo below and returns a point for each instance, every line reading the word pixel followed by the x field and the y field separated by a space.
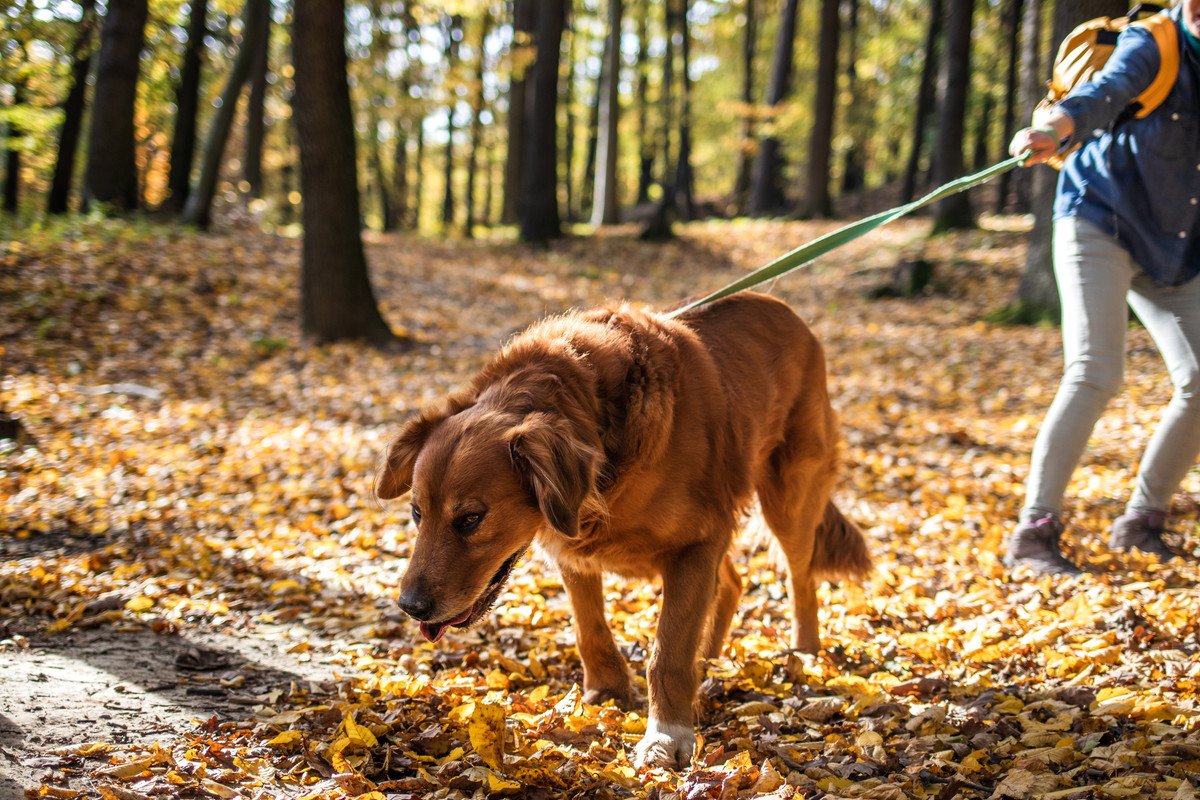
pixel 1139 181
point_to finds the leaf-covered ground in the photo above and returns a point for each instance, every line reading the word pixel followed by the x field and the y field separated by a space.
pixel 196 586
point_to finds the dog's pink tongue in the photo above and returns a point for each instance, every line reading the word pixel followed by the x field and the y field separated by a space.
pixel 434 630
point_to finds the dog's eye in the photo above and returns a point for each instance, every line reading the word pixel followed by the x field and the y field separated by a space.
pixel 416 515
pixel 467 523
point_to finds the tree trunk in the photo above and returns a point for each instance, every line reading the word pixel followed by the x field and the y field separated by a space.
pixel 255 119
pixel 524 17
pixel 685 189
pixel 187 105
pixel 419 184
pixel 658 227
pixel 925 100
pixel 198 210
pixel 1012 35
pixel 741 186
pixel 399 204
pixel 567 179
pixel 955 211
pixel 854 168
pixel 12 156
pixel 111 174
pixel 820 143
pixel 1032 88
pixel 645 165
pixel 379 177
pixel 766 184
pixel 73 107
pixel 336 299
pixel 593 137
pixel 489 182
pixel 485 23
pixel 1037 294
pixel 539 196
pixel 983 133
pixel 605 207
pixel 452 25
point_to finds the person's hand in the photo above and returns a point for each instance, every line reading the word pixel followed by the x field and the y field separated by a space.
pixel 1041 142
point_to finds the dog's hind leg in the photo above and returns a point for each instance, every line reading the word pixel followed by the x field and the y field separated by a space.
pixel 729 592
pixel 605 673
pixel 793 491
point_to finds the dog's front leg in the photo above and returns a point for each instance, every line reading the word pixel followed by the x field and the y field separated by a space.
pixel 605 673
pixel 673 675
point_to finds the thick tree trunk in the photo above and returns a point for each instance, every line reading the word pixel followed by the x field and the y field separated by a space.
pixel 854 168
pixel 255 117
pixel 820 143
pixel 766 184
pixel 1037 294
pixel 539 196
pixel 658 227
pixel 926 96
pixel 1032 88
pixel 645 163
pixel 198 210
pixel 111 174
pixel 73 107
pixel 685 182
pixel 485 23
pixel 187 105
pixel 955 211
pixel 605 207
pixel 524 17
pixel 336 299
pixel 1012 35
pixel 741 186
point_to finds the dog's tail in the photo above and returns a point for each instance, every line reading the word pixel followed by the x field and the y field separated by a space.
pixel 840 551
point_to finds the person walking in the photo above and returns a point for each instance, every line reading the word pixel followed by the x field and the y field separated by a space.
pixel 1126 230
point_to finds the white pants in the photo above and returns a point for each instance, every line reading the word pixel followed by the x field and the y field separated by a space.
pixel 1096 277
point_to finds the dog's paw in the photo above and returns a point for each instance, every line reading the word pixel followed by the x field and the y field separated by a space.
pixel 624 697
pixel 665 745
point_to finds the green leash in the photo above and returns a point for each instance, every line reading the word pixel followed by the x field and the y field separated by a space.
pixel 834 239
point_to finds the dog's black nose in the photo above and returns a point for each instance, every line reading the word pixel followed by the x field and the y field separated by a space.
pixel 417 604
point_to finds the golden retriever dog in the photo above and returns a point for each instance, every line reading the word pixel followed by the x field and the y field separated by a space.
pixel 624 441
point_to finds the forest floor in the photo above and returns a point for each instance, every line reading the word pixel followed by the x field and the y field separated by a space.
pixel 196 586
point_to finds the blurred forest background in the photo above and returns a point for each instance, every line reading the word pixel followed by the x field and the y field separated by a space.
pixel 454 118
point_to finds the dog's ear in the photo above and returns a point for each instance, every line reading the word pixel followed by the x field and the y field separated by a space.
pixel 559 469
pixel 395 475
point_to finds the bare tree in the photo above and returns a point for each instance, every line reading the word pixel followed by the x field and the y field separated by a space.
pixel 539 197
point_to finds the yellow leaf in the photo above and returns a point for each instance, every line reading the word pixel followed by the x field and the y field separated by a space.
pixel 286 739
pixel 539 693
pixel 140 603
pixel 358 734
pixel 486 730
pixel 499 784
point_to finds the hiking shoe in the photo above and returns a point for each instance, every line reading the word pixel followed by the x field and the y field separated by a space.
pixel 1141 530
pixel 1035 545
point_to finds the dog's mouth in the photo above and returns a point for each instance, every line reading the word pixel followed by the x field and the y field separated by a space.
pixel 434 630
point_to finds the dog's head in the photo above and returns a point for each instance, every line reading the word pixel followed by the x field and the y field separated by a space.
pixel 484 483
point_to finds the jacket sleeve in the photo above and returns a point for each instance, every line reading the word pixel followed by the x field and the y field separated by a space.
pixel 1095 105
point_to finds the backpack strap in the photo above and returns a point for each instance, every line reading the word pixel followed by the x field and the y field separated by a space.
pixel 1166 36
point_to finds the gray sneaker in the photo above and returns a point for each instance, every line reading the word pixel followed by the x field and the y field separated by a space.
pixel 1035 545
pixel 1141 530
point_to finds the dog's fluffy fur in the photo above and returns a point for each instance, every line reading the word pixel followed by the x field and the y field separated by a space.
pixel 628 442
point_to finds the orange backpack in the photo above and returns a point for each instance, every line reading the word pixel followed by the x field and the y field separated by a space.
pixel 1086 50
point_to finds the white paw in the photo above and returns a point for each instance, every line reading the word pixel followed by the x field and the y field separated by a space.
pixel 665 745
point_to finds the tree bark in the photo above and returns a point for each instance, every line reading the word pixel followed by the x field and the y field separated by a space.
pixel 111 174
pixel 58 201
pixel 955 211
pixel 983 134
pixel 854 168
pixel 1037 293
pixel 820 143
pixel 477 101
pixel 539 196
pixel 567 179
pixel 685 188
pixel 198 210
pixel 1012 35
pixel 658 227
pixel 255 117
pixel 925 100
pixel 645 165
pixel 12 155
pixel 766 184
pixel 605 207
pixel 1032 88
pixel 187 105
pixel 741 186
pixel 524 17
pixel 593 137
pixel 452 25
pixel 336 299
